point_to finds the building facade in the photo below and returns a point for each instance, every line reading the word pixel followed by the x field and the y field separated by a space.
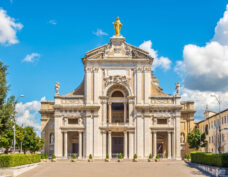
pixel 215 127
pixel 118 108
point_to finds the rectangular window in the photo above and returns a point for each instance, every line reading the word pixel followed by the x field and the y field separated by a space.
pixel 209 139
pixel 72 121
pixel 162 121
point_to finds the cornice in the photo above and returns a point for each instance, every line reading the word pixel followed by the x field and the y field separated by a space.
pixel 77 107
pixel 70 97
pixel 158 106
pixel 49 111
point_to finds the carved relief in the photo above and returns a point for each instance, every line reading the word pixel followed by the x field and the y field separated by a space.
pixel 117 48
pixel 115 79
pixel 92 69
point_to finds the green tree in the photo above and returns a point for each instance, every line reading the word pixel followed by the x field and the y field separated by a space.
pixel 196 139
pixel 6 105
pixel 19 136
pixel 31 141
pixel 6 139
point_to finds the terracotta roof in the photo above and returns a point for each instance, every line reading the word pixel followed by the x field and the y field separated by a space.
pixel 77 91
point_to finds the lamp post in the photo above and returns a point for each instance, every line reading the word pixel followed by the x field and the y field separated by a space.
pixel 23 138
pixel 219 126
pixel 14 120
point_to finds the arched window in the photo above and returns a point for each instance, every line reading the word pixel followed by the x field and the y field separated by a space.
pixel 117 94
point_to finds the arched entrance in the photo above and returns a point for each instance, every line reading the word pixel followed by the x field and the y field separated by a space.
pixel 118 107
pixel 116 118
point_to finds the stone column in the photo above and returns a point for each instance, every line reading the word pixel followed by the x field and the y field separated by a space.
pixel 58 137
pixel 147 87
pixel 104 122
pixel 173 146
pixel 154 144
pixel 125 144
pixel 104 144
pixel 125 112
pixel 130 112
pixel 110 144
pixel 139 85
pixel 65 144
pixel 131 140
pixel 177 139
pixel 169 145
pixel 109 113
pixel 80 144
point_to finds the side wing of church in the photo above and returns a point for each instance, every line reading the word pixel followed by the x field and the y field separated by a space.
pixel 118 108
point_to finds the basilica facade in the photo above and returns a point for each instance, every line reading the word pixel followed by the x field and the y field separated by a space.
pixel 118 108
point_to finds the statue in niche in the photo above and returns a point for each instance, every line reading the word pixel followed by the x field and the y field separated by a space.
pixel 52 139
pixel 182 138
pixel 57 86
pixel 65 120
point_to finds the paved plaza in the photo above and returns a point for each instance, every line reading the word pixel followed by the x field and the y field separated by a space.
pixel 113 169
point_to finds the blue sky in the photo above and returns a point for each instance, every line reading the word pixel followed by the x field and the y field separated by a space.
pixel 58 33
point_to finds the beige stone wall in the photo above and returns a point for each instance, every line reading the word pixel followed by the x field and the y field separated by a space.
pixel 187 125
pixel 47 125
pixel 210 127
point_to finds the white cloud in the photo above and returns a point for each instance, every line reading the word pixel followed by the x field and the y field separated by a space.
pixel 206 68
pixel 53 22
pixel 99 32
pixel 28 115
pixel 31 57
pixel 163 62
pixel 43 99
pixel 203 98
pixel 8 29
pixel 221 30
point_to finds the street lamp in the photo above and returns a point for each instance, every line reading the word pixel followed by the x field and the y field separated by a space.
pixel 219 126
pixel 14 120
pixel 23 135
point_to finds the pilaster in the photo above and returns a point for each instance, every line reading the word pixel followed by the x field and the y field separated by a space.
pixel 177 139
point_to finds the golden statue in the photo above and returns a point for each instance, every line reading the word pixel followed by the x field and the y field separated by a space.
pixel 117 26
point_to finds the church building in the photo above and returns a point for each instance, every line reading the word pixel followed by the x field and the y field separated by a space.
pixel 118 108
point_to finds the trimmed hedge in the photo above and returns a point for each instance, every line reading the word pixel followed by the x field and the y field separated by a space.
pixel 220 160
pixel 12 160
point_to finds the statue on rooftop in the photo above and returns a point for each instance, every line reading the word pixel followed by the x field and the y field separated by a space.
pixel 57 86
pixel 117 26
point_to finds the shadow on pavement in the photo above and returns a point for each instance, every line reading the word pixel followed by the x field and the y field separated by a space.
pixel 199 172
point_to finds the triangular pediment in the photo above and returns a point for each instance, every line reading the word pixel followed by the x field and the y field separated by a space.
pixel 117 48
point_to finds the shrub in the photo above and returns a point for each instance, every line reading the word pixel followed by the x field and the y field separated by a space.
pixel 46 156
pixel 150 156
pixel 220 160
pixel 42 156
pixel 107 156
pixel 74 156
pixel 120 156
pixel 90 156
pixel 135 156
pixel 187 156
pixel 12 160
pixel 157 156
pixel 53 156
